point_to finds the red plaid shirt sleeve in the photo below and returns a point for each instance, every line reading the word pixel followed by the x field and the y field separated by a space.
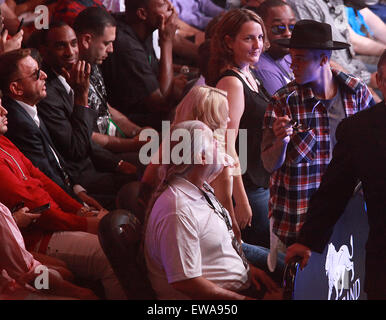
pixel 308 153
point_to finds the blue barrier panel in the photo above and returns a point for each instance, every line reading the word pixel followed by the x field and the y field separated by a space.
pixel 338 273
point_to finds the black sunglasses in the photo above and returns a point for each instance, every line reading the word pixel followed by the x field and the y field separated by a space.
pixel 280 29
pixel 36 74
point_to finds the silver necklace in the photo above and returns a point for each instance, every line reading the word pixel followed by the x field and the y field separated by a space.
pixel 254 84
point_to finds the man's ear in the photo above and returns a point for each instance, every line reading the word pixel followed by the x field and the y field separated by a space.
pixel 85 40
pixel 378 78
pixel 323 59
pixel 14 89
pixel 141 13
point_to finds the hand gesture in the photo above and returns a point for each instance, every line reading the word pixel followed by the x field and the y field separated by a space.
pixel 90 201
pixel 282 128
pixel 168 26
pixel 93 222
pixel 102 212
pixel 92 212
pixel 24 219
pixel 243 213
pixel 259 277
pixel 11 43
pixel 79 80
pixel 299 250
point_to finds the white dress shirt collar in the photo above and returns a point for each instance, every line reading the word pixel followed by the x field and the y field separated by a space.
pixel 65 83
pixel 31 110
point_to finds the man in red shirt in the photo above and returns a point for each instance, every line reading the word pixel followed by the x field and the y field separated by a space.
pixel 64 230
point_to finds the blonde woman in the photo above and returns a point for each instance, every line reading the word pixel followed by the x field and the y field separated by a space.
pixel 209 105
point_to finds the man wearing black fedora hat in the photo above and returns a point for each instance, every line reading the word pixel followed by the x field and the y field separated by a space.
pixel 299 127
pixel 333 12
pixel 354 159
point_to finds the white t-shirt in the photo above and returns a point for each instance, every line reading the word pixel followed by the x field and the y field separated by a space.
pixel 114 5
pixel 186 239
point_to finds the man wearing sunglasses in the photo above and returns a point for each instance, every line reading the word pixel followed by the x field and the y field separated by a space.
pixel 273 67
pixel 66 230
pixel 27 130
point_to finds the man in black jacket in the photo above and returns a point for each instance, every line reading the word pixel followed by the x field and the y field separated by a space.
pixel 70 121
pixel 25 128
pixel 360 154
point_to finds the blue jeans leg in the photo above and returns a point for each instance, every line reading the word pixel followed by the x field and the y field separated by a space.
pixel 258 233
pixel 379 10
pixel 257 256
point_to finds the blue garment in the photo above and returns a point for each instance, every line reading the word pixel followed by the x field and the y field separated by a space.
pixel 379 10
pixel 357 22
pixel 197 13
pixel 258 232
pixel 274 74
pixel 257 256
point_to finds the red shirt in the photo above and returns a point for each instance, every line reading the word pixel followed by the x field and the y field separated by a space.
pixel 21 181
pixel 67 10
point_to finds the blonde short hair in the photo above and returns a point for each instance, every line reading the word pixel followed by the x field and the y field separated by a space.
pixel 206 104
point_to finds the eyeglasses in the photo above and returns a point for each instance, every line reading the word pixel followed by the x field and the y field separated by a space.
pixel 298 127
pixel 280 29
pixel 36 74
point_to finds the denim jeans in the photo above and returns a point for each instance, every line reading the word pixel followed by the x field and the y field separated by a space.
pixel 258 233
pixel 257 256
pixel 379 10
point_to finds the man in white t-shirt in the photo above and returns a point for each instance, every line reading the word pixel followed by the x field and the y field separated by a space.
pixel 190 249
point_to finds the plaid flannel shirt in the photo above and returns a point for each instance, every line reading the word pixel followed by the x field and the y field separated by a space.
pixel 308 153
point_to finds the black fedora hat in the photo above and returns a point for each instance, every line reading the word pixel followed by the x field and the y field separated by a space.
pixel 311 34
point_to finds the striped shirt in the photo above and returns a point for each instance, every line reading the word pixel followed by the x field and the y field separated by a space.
pixel 308 153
